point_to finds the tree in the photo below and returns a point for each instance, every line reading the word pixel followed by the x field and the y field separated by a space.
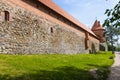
pixel 112 24
pixel 111 36
pixel 113 16
pixel 118 47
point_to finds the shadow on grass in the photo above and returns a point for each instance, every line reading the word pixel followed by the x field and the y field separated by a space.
pixel 63 73
pixel 98 66
pixel 102 71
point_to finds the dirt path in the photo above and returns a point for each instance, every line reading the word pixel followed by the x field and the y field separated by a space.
pixel 115 68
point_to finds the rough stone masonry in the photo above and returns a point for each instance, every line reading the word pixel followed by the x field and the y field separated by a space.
pixel 23 31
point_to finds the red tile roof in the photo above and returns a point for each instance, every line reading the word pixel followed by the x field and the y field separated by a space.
pixel 56 8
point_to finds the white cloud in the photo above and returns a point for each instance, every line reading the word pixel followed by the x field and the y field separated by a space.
pixel 86 11
pixel 88 4
pixel 69 1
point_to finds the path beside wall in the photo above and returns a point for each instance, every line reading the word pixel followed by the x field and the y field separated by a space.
pixel 115 68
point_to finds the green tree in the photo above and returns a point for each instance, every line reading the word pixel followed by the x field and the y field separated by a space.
pixel 113 16
pixel 112 24
pixel 112 34
pixel 118 47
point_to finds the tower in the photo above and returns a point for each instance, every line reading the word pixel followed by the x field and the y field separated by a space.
pixel 100 33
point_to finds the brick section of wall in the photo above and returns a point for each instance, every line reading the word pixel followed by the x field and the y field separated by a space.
pixel 28 33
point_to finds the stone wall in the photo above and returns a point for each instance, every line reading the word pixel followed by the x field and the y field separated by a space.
pixel 103 47
pixel 27 33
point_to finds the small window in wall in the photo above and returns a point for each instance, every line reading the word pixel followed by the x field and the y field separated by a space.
pixel 6 16
pixel 51 29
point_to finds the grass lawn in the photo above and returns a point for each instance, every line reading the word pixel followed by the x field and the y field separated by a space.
pixel 52 67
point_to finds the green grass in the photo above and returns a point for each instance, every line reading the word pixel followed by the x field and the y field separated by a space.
pixel 52 67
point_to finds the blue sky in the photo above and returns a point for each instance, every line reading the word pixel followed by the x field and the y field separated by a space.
pixel 87 11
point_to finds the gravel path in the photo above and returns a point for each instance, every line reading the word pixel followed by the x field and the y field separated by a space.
pixel 115 68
